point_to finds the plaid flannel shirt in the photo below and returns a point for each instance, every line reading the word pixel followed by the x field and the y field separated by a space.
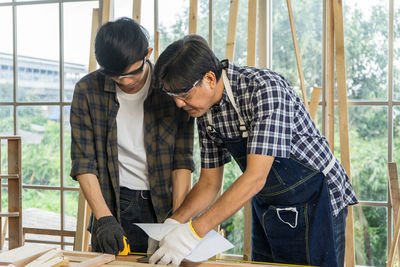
pixel 279 125
pixel 168 141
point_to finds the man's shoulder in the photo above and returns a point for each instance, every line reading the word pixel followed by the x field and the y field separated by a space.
pixel 91 81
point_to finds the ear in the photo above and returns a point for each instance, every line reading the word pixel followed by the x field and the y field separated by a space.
pixel 149 51
pixel 211 79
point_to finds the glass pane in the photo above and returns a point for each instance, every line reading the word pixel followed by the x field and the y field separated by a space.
pixel 6 58
pixel 202 19
pixel 38 58
pixel 370 229
pixel 39 128
pixel 68 181
pixel 71 210
pixel 368 151
pixel 366 42
pixel 3 157
pixel 396 46
pixel 6 120
pixel 77 26
pixel 307 17
pixel 41 209
pixel 396 135
pixel 220 27
pixel 174 23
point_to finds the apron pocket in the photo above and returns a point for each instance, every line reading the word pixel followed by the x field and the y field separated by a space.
pixel 286 228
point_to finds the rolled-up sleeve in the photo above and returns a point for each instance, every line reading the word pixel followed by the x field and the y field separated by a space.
pixel 83 155
pixel 183 154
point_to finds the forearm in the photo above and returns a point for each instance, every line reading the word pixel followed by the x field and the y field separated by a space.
pixel 200 197
pixel 91 189
pixel 181 183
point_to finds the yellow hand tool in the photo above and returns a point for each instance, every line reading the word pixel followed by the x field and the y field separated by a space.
pixel 127 248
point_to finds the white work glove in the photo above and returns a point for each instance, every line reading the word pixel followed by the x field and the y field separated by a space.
pixel 152 244
pixel 176 245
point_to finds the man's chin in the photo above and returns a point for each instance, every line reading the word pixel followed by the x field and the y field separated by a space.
pixel 195 112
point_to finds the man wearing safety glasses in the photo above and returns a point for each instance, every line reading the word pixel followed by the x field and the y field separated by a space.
pixel 131 146
pixel 299 192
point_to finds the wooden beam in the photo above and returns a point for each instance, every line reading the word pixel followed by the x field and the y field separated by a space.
pixel 193 16
pixel 156 32
pixel 21 256
pixel 393 245
pixel 95 26
pixel 343 120
pixel 330 75
pixel 394 191
pixel 296 51
pixel 232 23
pixel 252 33
pixel 106 11
pixel 262 33
pixel 314 101
pixel 137 10
pixel 96 261
pixel 14 194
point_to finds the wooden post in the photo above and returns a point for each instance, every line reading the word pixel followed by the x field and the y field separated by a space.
pixel 106 11
pixel 193 16
pixel 314 101
pixel 296 50
pixel 136 12
pixel 95 26
pixel 394 191
pixel 156 32
pixel 232 23
pixel 14 193
pixel 330 75
pixel 393 245
pixel 343 120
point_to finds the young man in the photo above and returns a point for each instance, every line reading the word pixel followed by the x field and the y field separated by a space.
pixel 131 146
pixel 298 190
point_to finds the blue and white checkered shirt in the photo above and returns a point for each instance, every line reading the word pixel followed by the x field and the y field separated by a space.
pixel 279 125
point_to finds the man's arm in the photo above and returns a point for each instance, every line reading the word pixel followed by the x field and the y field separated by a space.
pixel 201 196
pixel 91 189
pixel 181 183
pixel 242 190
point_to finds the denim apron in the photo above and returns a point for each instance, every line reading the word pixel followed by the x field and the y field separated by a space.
pixel 291 215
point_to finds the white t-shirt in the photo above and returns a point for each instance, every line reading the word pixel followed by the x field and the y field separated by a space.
pixel 132 158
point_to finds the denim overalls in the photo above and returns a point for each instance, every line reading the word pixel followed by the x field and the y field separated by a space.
pixel 291 215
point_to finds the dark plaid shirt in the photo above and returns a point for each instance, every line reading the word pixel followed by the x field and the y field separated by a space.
pixel 168 140
pixel 279 125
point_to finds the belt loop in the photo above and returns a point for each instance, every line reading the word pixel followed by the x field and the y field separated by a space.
pixel 141 194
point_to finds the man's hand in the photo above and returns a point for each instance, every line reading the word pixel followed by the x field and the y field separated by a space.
pixel 176 245
pixel 110 235
pixel 152 244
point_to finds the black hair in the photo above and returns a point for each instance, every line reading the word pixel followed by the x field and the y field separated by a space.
pixel 185 61
pixel 119 44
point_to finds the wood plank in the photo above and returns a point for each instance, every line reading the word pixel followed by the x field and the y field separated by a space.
pixel 41 231
pixel 343 120
pixel 296 51
pixel 9 176
pixel 23 255
pixel 156 32
pixel 57 262
pixel 314 101
pixel 106 11
pixel 45 257
pixel 247 231
pixel 137 10
pixel 14 194
pixel 96 261
pixel 80 223
pixel 252 33
pixel 95 26
pixel 193 7
pixel 394 191
pixel 394 243
pixel 232 24
pixel 330 76
pixel 262 33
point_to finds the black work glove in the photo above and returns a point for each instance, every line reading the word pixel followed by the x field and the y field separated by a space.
pixel 110 235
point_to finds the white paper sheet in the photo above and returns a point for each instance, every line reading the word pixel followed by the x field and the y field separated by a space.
pixel 211 245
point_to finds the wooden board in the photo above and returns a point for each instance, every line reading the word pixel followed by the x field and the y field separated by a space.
pixel 394 194
pixel 343 120
pixel 232 23
pixel 137 8
pixel 23 255
pixel 193 16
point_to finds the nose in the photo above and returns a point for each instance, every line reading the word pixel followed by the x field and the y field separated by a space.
pixel 179 102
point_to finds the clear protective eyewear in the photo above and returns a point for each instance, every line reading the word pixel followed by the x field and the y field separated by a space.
pixel 125 75
pixel 181 93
